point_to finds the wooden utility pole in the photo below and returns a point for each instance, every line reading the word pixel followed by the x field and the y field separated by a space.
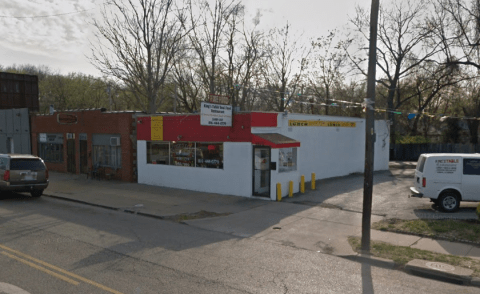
pixel 369 129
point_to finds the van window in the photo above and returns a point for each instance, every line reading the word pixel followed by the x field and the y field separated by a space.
pixel 26 164
pixel 471 166
pixel 421 164
pixel 3 163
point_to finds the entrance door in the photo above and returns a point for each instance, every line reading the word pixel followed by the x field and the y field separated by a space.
pixel 71 167
pixel 83 157
pixel 261 171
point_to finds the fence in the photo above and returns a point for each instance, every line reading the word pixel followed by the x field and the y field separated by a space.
pixel 411 152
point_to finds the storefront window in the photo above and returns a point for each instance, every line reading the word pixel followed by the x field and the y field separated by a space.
pixel 192 154
pixel 50 147
pixel 287 159
pixel 107 150
pixel 158 153
pixel 183 153
pixel 50 152
pixel 210 155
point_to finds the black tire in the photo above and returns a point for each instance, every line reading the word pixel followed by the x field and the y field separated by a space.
pixel 36 193
pixel 449 201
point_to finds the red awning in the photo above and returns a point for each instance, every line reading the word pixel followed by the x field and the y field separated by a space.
pixel 274 140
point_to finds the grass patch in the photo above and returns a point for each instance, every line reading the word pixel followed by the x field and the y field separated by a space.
pixel 402 255
pixel 446 229
pixel 195 215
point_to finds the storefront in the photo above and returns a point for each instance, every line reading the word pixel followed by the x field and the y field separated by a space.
pixel 87 142
pixel 250 154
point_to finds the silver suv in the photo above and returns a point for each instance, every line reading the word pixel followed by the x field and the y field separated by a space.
pixel 23 173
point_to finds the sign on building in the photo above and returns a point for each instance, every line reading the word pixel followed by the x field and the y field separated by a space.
pixel 321 123
pixel 215 115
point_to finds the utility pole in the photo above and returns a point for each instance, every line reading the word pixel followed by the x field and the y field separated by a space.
pixel 369 129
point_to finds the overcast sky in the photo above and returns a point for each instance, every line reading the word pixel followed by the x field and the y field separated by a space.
pixel 62 41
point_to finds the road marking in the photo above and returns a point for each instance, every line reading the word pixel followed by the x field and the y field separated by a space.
pixel 105 288
pixel 41 268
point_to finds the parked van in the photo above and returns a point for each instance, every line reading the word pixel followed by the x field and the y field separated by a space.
pixel 23 173
pixel 447 179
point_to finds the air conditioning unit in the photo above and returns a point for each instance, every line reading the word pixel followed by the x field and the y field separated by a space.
pixel 114 141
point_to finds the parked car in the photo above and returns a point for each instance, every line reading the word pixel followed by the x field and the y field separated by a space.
pixel 23 173
pixel 447 179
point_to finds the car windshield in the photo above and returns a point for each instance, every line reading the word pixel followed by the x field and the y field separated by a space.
pixel 26 164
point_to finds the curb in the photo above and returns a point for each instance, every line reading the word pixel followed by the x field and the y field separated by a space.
pixel 475 282
pixel 436 274
pixel 371 260
pixel 81 202
pixel 106 207
pixel 414 270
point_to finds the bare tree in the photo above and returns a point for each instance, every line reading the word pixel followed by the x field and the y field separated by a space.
pixel 400 47
pixel 137 42
pixel 244 50
pixel 207 37
pixel 284 67
pixel 188 81
pixel 428 83
pixel 456 26
pixel 326 63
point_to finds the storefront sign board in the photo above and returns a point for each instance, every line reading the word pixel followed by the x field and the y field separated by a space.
pixel 215 115
pixel 43 137
pixel 321 123
pixel 157 128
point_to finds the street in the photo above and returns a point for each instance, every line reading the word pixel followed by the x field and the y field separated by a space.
pixel 53 246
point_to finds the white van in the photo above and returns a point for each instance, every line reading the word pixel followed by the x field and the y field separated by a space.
pixel 447 179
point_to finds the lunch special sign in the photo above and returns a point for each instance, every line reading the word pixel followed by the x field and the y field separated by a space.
pixel 446 166
pixel 321 123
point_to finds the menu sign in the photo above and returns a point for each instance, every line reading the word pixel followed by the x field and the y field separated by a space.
pixel 215 115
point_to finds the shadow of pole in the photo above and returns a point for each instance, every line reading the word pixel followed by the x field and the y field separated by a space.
pixel 367 283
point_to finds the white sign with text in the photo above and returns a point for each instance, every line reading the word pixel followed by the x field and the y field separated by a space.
pixel 215 115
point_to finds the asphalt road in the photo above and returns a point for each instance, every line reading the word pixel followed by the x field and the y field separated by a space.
pixel 51 246
pixel 390 197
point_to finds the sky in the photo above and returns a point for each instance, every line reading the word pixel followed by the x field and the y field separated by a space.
pixel 56 33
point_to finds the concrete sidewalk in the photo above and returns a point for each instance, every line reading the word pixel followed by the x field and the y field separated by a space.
pixel 314 228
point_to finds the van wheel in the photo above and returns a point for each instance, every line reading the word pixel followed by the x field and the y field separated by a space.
pixel 449 201
pixel 36 193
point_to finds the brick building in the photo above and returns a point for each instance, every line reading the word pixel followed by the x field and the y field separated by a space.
pixel 82 141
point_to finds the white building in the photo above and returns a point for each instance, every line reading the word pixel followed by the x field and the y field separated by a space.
pixel 255 153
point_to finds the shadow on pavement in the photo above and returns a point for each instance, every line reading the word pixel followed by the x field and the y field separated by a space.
pixel 367 283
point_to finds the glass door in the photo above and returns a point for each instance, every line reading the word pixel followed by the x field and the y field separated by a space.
pixel 261 171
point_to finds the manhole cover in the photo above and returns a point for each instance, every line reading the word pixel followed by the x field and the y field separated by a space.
pixel 440 266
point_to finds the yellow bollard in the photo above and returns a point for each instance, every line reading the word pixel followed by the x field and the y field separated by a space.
pixel 279 192
pixel 290 191
pixel 302 184
pixel 313 181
